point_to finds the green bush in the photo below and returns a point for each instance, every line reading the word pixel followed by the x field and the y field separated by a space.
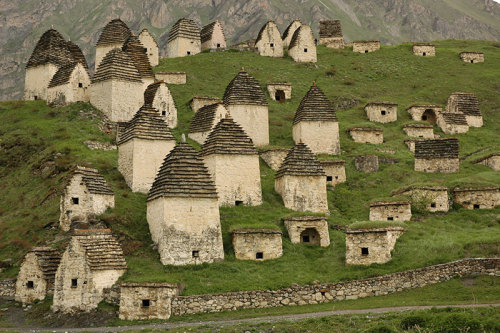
pixel 456 323
pixel 413 321
pixel 380 329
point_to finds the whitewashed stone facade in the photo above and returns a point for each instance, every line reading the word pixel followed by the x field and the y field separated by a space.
pixel 477 198
pixel 390 211
pixel 491 160
pixel 424 50
pixel 289 31
pixel 151 46
pixel 212 37
pixel 274 157
pixel 70 84
pixel 92 261
pixel 335 171
pixel 366 46
pixel 184 39
pixel 171 77
pixel 114 35
pixel 419 131
pixel 198 102
pixel 308 230
pixel 146 301
pixel 428 113
pixel 257 244
pixel 302 47
pixel 472 57
pixel 301 181
pixel 37 80
pixel 183 210
pixel 226 152
pixel 158 96
pixel 370 246
pixel 452 123
pixel 86 194
pixel 382 112
pixel 438 155
pixel 367 135
pixel 269 42
pixel 468 105
pixel 433 198
pixel 279 91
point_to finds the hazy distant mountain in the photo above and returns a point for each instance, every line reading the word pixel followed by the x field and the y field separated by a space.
pixel 391 21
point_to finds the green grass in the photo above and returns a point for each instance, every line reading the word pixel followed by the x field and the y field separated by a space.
pixel 376 224
pixel 39 144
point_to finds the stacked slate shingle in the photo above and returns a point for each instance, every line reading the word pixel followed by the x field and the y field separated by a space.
pixel 204 118
pixel 244 90
pixel 77 54
pixel 146 124
pixel 452 118
pixel 300 161
pixel 228 137
pixel 466 103
pixel 117 65
pixel 48 260
pixel 295 38
pixel 436 149
pixel 102 249
pixel 115 32
pixel 207 32
pixel 330 29
pixel 138 53
pixel 184 28
pixel 51 49
pixel 150 92
pixel 261 31
pixel 315 107
pixel 183 174
pixel 62 75
pixel 95 183
pixel 288 29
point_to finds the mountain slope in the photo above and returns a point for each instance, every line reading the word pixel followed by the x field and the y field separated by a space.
pixel 391 21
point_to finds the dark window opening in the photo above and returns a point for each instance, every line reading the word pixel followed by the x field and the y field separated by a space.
pixel 146 303
pixel 329 178
pixel 196 254
pixel 305 50
pixel 364 251
pixel 336 177
pixel 74 283
pixel 36 97
pixel 80 85
pixel 75 201
pixel 30 285
pixel 188 52
pixel 476 206
pixel 305 239
pixel 366 51
pixel 259 255
pixel 218 45
pixel 424 54
pixel 430 116
pixel 433 205
pixel 424 117
pixel 390 218
pixel 472 61
pixel 164 113
pixel 323 293
pixel 280 96
pixel 272 44
pixel 238 202
pixel 383 112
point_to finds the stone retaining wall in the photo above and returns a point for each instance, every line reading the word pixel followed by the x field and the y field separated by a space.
pixel 8 288
pixel 323 293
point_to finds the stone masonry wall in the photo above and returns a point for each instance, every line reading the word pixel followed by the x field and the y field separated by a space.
pixel 182 47
pixel 444 165
pixel 274 157
pixel 199 102
pixel 164 103
pixel 472 57
pixel 322 137
pixel 304 49
pixel 30 271
pixel 273 87
pixel 434 200
pixel 324 293
pixel 247 244
pixel 37 81
pixel 303 193
pixel 335 170
pixel 332 42
pixel 8 288
pixel 478 199
pixel 71 92
pixel 381 113
pixel 366 136
pixel 171 77
pixel 271 44
pixel 218 40
pixel 492 162
pixel 378 245
pixel 388 211
pixel 419 132
pixel 255 121
pixel 146 301
pixel 118 100
pixel 365 46
pixel 424 50
pixel 300 226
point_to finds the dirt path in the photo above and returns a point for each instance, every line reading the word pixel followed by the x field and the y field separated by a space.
pixel 268 319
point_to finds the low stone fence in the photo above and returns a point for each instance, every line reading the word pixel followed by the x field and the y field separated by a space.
pixel 323 293
pixel 8 288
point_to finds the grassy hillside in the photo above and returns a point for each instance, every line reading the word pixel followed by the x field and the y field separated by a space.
pixel 38 145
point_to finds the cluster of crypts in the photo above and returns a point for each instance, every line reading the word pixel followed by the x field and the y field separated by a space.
pixel 185 188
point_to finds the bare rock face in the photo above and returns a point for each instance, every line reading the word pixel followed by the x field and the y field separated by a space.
pixel 366 163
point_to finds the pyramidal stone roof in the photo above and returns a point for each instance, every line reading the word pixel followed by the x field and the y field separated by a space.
pixel 204 118
pixel 329 29
pixel 467 103
pixel 48 260
pixel 145 32
pixel 115 32
pixel 137 52
pixel 439 148
pixel 228 137
pixel 51 48
pixel 244 90
pixel 303 29
pixel 77 54
pixel 300 161
pixel 150 92
pixel 62 75
pixel 184 28
pixel 95 183
pixel 117 65
pixel 264 27
pixel 208 30
pixel 454 118
pixel 288 29
pixel 183 174
pixel 314 107
pixel 102 249
pixel 146 124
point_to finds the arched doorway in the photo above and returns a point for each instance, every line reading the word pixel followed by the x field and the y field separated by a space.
pixel 310 236
pixel 430 116
pixel 280 96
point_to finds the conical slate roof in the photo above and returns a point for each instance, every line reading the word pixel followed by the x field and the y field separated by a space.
pixel 77 54
pixel 48 260
pixel 95 183
pixel 300 161
pixel 102 249
pixel 50 49
pixel 150 92
pixel 115 32
pixel 146 124
pixel 289 30
pixel 183 174
pixel 264 27
pixel 244 90
pixel 228 137
pixel 204 118
pixel 184 28
pixel 117 65
pixel 315 107
pixel 62 75
pixel 208 30
pixel 137 52
pixel 303 29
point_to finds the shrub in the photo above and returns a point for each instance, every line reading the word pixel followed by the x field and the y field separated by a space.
pixel 380 329
pixel 331 72
pixel 456 323
pixel 413 321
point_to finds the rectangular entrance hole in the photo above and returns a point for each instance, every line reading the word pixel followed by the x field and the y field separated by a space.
pixel 476 206
pixel 188 52
pixel 238 203
pixel 272 44
pixel 366 51
pixel 30 285
pixel 80 85
pixel 35 97
pixel 305 239
pixel 164 113
pixel 259 255
pixel 424 54
pixel 364 251
pixel 383 112
pixel 390 218
pixel 218 45
pixel 74 283
pixel 195 254
pixel 424 117
pixel 329 178
pixel 75 201
pixel 433 205
pixel 146 303
pixel 305 50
